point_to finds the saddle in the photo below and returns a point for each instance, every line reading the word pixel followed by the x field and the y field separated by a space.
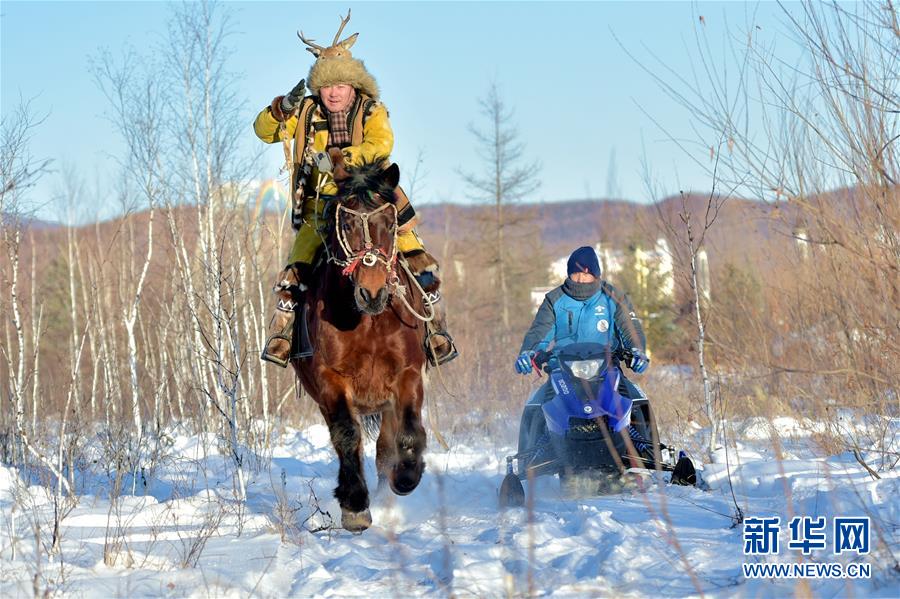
pixel 301 341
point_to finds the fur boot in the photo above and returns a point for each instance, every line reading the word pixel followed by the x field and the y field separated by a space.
pixel 439 346
pixel 288 291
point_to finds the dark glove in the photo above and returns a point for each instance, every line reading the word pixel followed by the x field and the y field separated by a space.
pixel 638 361
pixel 293 97
pixel 523 363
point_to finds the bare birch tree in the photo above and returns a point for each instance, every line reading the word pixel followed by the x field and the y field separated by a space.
pixel 212 172
pixel 818 138
pixel 137 103
pixel 19 171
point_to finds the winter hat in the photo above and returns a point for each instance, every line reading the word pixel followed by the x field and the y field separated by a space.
pixel 335 64
pixel 584 259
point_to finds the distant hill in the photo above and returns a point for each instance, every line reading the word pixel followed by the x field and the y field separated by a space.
pixel 28 223
pixel 741 230
pixel 744 229
pixel 746 232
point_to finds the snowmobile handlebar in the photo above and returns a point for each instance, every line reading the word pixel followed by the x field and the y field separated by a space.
pixel 545 359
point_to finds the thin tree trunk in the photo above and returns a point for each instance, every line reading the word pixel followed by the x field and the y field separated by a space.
pixel 87 301
pixel 708 399
pixel 18 382
pixel 130 320
pixel 71 250
pixel 35 340
pixel 259 333
pixel 501 269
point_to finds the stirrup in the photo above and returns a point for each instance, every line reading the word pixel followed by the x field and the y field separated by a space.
pixel 284 335
pixel 267 357
pixel 430 352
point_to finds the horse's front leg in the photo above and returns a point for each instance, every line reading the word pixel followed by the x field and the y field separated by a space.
pixel 386 448
pixel 346 436
pixel 410 439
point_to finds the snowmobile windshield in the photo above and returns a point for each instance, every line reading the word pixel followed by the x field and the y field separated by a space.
pixel 583 351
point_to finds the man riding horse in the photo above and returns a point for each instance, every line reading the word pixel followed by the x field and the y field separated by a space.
pixel 341 124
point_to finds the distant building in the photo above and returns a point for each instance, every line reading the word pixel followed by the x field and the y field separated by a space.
pixel 227 195
pixel 802 239
pixel 537 295
pixel 558 272
pixel 658 262
pixel 703 278
pixel 459 269
pixel 665 267
pixel 613 261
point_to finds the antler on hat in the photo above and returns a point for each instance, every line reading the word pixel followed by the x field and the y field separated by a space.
pixel 335 64
pixel 336 49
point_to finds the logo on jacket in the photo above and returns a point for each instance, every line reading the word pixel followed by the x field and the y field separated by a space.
pixel 599 310
pixel 603 325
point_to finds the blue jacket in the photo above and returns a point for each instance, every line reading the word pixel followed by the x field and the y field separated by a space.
pixel 606 317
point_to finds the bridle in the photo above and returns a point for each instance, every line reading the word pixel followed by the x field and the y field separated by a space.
pixel 368 255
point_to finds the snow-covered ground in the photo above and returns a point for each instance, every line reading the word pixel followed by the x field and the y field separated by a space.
pixel 177 539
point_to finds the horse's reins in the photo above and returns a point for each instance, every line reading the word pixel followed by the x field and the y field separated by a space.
pixel 369 255
pixel 401 293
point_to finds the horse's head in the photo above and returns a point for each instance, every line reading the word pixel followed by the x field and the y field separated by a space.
pixel 365 233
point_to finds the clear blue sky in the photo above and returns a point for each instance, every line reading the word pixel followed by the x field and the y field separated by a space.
pixel 577 95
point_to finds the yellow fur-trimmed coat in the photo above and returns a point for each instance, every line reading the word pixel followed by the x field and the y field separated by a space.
pixel 374 142
pixel 372 139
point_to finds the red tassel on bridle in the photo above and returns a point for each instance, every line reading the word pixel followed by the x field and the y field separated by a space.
pixel 348 270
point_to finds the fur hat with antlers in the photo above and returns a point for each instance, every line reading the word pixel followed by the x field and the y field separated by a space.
pixel 335 64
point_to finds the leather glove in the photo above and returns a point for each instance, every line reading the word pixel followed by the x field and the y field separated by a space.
pixel 338 171
pixel 293 97
pixel 523 363
pixel 638 361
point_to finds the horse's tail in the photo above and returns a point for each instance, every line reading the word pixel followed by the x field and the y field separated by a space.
pixel 371 424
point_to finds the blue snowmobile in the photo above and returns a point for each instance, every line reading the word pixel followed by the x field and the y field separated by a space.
pixel 589 430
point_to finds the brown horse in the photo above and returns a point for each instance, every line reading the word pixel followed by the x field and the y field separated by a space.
pixel 368 357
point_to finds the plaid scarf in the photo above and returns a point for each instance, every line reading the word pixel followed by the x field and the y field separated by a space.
pixel 338 127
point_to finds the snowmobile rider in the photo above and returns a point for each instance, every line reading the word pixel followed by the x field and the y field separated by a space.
pixel 585 309
pixel 344 118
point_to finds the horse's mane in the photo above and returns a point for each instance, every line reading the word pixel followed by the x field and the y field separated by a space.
pixel 365 182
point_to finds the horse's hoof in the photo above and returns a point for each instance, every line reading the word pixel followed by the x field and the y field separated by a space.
pixel 356 522
pixel 404 482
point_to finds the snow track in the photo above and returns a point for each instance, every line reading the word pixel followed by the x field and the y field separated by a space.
pixel 448 537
